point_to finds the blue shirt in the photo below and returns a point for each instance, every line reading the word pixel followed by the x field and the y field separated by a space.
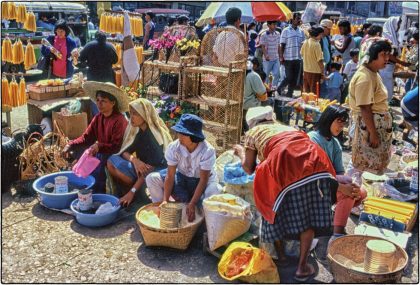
pixel 332 148
pixel 251 47
pixel 410 105
pixel 335 80
pixel 325 50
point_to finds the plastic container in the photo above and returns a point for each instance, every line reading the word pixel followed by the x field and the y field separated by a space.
pixel 61 200
pixel 86 165
pixel 97 220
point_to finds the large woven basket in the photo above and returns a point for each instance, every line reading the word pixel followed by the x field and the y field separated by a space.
pixel 174 238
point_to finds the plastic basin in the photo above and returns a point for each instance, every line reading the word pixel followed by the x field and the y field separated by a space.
pixel 97 220
pixel 60 200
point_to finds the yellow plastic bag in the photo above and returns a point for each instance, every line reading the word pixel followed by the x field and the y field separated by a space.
pixel 259 269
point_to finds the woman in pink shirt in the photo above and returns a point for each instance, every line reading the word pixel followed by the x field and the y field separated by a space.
pixel 60 52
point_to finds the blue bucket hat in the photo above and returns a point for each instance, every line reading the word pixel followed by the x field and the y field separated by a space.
pixel 190 125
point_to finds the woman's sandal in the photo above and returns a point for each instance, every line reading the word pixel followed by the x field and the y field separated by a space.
pixel 305 278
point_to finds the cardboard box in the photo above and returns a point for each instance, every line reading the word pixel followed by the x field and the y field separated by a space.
pixel 72 126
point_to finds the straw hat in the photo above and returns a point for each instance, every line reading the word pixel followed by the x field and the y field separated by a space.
pixel 326 23
pixel 91 87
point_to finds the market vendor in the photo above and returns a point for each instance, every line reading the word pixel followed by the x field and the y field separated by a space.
pixel 62 44
pixel 371 126
pixel 104 135
pixel 190 176
pixel 148 138
pixel 330 125
pixel 292 185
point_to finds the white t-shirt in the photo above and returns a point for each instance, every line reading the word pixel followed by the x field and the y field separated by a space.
pixel 190 164
pixel 350 69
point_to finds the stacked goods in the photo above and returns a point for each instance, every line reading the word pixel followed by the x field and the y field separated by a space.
pixel 18 54
pixel 5 95
pixel 118 50
pixel 30 23
pixel 7 52
pixel 12 11
pixel 22 92
pixel 30 59
pixel 21 14
pixel 402 212
pixel 112 24
pixel 139 53
pixel 227 217
pixel 14 92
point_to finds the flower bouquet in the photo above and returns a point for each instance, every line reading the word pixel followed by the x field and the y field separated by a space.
pixel 171 111
pixel 185 45
pixel 166 42
pixel 133 93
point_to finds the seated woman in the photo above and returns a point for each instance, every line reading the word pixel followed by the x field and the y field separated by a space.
pixel 104 135
pixel 148 137
pixel 292 185
pixel 190 175
pixel 330 125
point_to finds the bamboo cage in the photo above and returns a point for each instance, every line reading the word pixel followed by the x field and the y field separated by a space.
pixel 215 85
pixel 171 63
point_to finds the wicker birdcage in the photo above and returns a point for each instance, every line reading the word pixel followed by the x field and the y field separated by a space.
pixel 170 64
pixel 216 85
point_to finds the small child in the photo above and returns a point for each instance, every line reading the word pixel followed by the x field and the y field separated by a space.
pixel 348 72
pixel 335 80
pixel 252 43
pixel 190 175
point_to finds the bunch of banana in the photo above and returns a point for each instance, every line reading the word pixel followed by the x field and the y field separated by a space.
pixel 30 59
pixel 139 53
pixel 18 52
pixel 22 92
pixel 7 52
pixel 14 92
pixel 118 49
pixel 12 11
pixel 5 97
pixel 5 10
pixel 30 23
pixel 21 14
pixel 115 24
pixel 136 24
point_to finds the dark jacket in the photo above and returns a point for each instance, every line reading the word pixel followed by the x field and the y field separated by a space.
pixel 71 44
pixel 99 58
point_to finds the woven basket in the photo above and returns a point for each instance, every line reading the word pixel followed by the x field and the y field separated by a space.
pixel 170 215
pixel 174 238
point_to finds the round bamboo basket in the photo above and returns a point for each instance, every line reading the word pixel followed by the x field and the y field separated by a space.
pixel 179 238
pixel 346 256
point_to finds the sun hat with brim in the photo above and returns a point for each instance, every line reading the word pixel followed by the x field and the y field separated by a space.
pixel 190 125
pixel 91 87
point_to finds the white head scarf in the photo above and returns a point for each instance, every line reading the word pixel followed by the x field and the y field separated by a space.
pixel 390 30
pixel 156 125
pixel 257 114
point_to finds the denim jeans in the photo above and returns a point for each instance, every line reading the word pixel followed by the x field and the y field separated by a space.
pixel 292 68
pixel 272 66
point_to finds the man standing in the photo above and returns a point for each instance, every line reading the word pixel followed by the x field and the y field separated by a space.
pixel 270 45
pixel 327 25
pixel 291 41
pixel 149 29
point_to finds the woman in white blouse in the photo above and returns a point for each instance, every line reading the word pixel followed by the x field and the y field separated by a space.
pixel 190 173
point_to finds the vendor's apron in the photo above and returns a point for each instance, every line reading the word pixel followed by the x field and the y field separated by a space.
pixel 366 158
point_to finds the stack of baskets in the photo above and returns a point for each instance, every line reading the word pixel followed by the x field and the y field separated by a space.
pixel 178 238
pixel 170 215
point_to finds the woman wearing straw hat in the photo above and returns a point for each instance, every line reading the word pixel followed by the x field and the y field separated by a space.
pixel 104 134
pixel 292 185
pixel 190 173
pixel 148 137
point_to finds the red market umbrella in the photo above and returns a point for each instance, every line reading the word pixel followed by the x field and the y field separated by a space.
pixel 270 11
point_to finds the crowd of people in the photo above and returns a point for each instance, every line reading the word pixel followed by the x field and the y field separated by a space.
pixel 298 176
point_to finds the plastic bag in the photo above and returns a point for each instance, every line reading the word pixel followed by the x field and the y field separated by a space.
pixel 399 189
pixel 235 174
pixel 86 165
pixel 105 208
pixel 258 267
pixel 225 158
pixel 313 12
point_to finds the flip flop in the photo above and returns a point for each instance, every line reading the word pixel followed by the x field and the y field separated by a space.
pixel 306 277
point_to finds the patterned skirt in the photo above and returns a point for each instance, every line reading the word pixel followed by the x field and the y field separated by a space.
pixel 301 209
pixel 364 157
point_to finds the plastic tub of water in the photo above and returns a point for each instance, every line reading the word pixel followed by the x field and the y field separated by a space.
pixel 89 218
pixel 61 200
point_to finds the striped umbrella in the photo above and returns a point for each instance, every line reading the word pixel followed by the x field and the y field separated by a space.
pixel 258 11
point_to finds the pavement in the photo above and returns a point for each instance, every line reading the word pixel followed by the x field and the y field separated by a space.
pixel 41 245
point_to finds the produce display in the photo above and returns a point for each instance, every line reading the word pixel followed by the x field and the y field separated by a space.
pixel 112 24
pixel 5 96
pixel 30 23
pixel 30 58
pixel 239 262
pixel 18 54
pixel 7 51
pixel 21 14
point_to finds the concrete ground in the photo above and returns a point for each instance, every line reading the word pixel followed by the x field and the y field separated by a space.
pixel 41 245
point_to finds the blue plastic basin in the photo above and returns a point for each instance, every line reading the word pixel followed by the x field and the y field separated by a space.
pixel 60 200
pixel 97 220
